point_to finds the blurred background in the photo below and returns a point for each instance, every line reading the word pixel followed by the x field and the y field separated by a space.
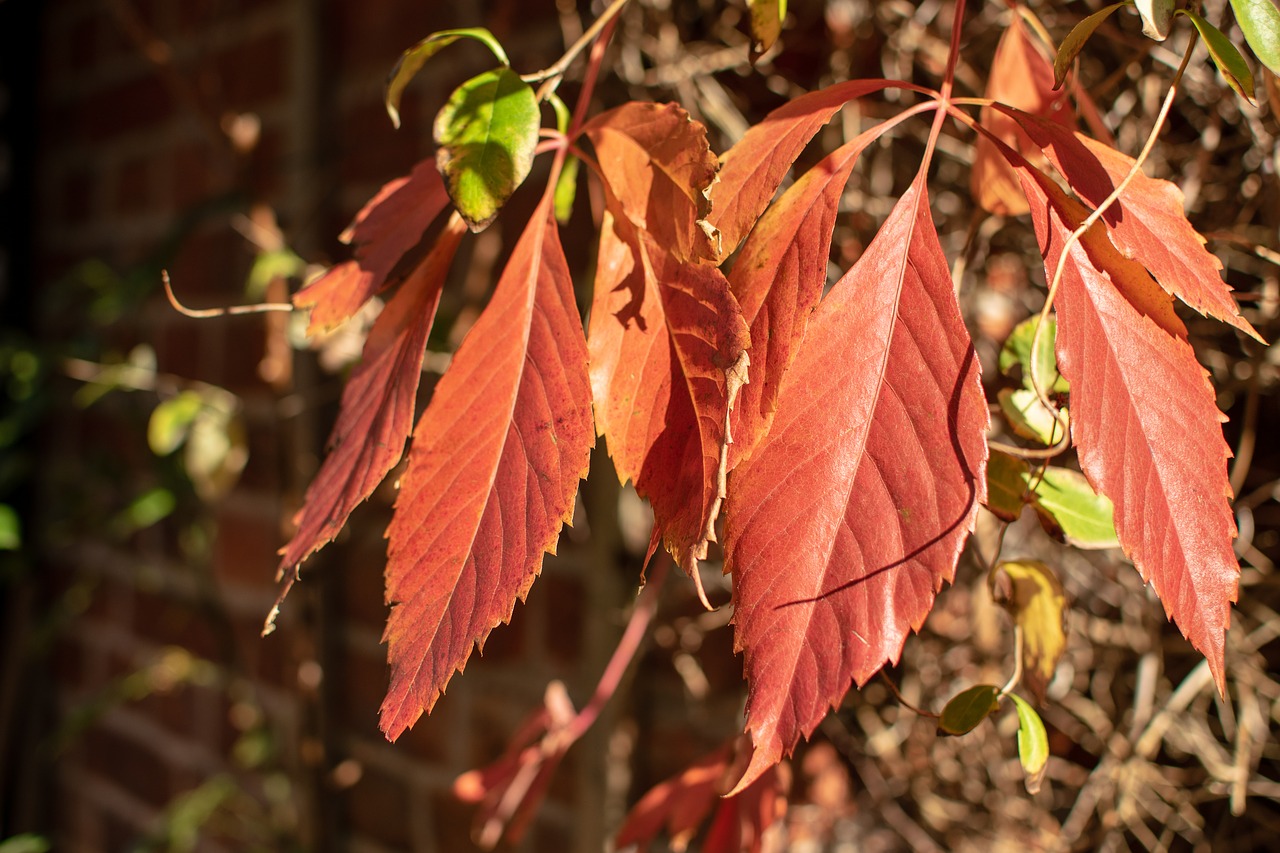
pixel 150 463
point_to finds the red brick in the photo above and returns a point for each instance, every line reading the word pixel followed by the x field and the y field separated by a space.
pixel 251 74
pixel 168 622
pixel 195 169
pixel 372 34
pixel 364 684
pixel 133 105
pixel 129 763
pixel 77 195
pixel 452 822
pixel 566 606
pixel 378 807
pixel 135 186
pixel 244 551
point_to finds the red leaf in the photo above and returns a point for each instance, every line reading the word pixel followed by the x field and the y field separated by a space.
pixel 852 512
pixel 664 373
pixel 510 789
pixel 679 806
pixel 667 338
pixel 387 227
pixel 778 279
pixel 492 475
pixel 1144 419
pixel 752 170
pixel 659 166
pixel 1021 77
pixel 376 414
pixel 1146 222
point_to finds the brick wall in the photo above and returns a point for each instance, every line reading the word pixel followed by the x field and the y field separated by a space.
pixel 162 692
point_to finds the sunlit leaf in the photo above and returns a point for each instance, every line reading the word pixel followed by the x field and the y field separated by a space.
pixel 566 189
pixel 170 421
pixel 1075 41
pixel 1156 15
pixel 1260 22
pixel 1017 352
pixel 969 708
pixel 766 24
pixel 1072 510
pixel 1225 56
pixel 1033 595
pixel 1006 485
pixel 486 133
pixel 1033 743
pixel 1029 417
pixel 875 461
pixel 492 475
pixel 10 529
pixel 412 60
pixel 1146 423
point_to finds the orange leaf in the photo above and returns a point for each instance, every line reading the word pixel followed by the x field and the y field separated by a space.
pixel 680 806
pixel 388 226
pixel 492 475
pixel 752 170
pixel 659 166
pixel 667 341
pixel 1144 418
pixel 376 414
pixel 778 278
pixel 1146 223
pixel 1021 76
pixel 844 523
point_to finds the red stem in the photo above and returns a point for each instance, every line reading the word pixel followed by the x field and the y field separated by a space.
pixel 589 78
pixel 632 637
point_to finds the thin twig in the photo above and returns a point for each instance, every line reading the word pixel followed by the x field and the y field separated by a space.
pixel 207 313
pixel 553 74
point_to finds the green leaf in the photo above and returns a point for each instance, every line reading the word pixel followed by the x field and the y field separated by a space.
pixel 170 422
pixel 145 510
pixel 25 844
pixel 270 265
pixel 1029 417
pixel 1260 22
pixel 1017 352
pixel 1224 55
pixel 566 189
pixel 1069 506
pixel 412 60
pixel 1033 743
pixel 10 532
pixel 487 134
pixel 1075 41
pixel 968 708
pixel 1006 483
pixel 1156 15
pixel 766 24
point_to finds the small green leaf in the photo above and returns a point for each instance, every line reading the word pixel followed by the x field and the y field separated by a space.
pixel 968 708
pixel 1006 483
pixel 1033 743
pixel 1029 417
pixel 1260 22
pixel 1016 352
pixel 412 60
pixel 1156 15
pixel 766 24
pixel 1069 506
pixel 563 116
pixel 170 422
pixel 270 265
pixel 1224 55
pixel 25 844
pixel 10 529
pixel 1075 41
pixel 145 510
pixel 566 189
pixel 487 134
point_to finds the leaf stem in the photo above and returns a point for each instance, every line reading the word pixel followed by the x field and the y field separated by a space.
pixel 902 700
pixel 628 646
pixel 553 74
pixel 1017 662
